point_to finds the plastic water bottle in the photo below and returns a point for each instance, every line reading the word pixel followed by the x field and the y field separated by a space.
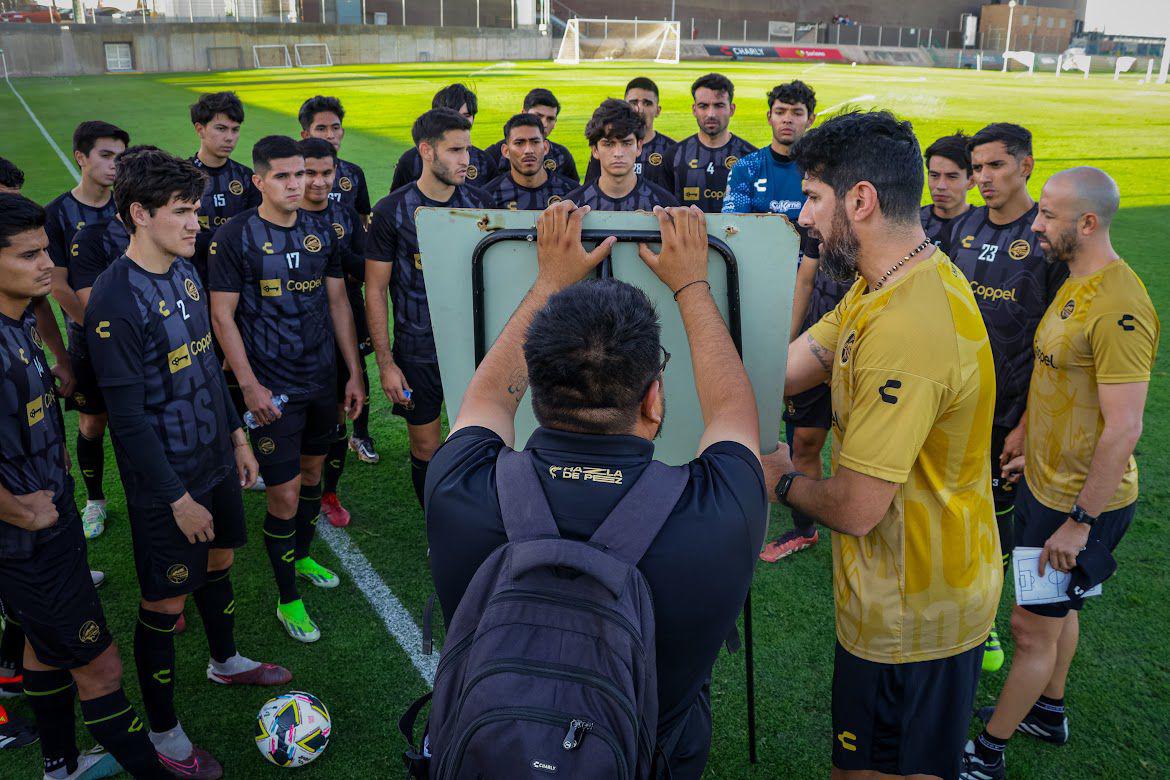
pixel 277 401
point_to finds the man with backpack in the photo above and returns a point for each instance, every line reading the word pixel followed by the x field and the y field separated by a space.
pixel 588 588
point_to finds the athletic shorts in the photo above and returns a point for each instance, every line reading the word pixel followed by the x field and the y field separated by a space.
pixel 168 564
pixel 426 393
pixel 811 409
pixel 87 397
pixel 51 596
pixel 903 719
pixel 358 305
pixel 1035 522
pixel 306 427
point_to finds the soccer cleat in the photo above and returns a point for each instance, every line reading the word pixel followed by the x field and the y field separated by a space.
pixel 98 578
pixel 1033 726
pixel 259 484
pixel 974 768
pixel 11 686
pixel 335 513
pixel 93 764
pixel 15 732
pixel 992 653
pixel 786 544
pixel 364 449
pixel 93 519
pixel 316 573
pixel 264 674
pixel 296 621
pixel 200 765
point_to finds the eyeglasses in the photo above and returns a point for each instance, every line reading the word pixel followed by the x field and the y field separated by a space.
pixel 661 369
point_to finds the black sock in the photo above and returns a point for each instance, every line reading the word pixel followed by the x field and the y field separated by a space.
pixel 1049 711
pixel 335 463
pixel 217 606
pixel 154 655
pixel 50 696
pixel 279 540
pixel 308 510
pixel 91 460
pixel 418 475
pixel 116 727
pixel 989 749
pixel 361 426
pixel 803 524
pixel 12 648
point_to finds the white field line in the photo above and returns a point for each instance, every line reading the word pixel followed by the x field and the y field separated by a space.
pixel 493 66
pixel 857 99
pixel 60 155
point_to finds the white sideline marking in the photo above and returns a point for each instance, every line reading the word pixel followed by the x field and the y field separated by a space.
pixel 60 155
pixel 857 99
pixel 394 616
pixel 812 67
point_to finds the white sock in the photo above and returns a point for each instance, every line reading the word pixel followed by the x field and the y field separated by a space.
pixel 173 744
pixel 234 665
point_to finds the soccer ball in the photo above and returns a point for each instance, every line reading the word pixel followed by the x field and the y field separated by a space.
pixel 293 729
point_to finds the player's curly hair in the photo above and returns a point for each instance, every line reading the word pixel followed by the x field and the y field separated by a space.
pixel 151 177
pixel 716 82
pixel 11 176
pixel 17 215
pixel 614 119
pixel 209 104
pixel 455 96
pixel 873 146
pixel 951 147
pixel 792 93
pixel 319 104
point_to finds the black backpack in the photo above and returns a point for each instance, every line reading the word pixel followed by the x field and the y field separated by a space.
pixel 549 667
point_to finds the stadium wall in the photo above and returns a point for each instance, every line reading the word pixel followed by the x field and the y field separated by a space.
pixel 49 50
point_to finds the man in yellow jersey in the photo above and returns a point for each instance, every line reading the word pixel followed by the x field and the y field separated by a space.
pixel 916 561
pixel 1095 349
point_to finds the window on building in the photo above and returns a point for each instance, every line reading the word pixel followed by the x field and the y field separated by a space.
pixel 1063 23
pixel 119 57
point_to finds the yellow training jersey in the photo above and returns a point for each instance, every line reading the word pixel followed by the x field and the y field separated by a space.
pixel 913 389
pixel 1099 330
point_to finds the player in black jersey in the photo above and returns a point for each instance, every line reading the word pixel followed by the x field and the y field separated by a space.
pixel 350 228
pixel 526 185
pixel 409 373
pixel 321 117
pixel 559 159
pixel 95 147
pixel 280 309
pixel 948 175
pixel 995 248
pixel 44 580
pixel 653 162
pixel 481 166
pixel 615 135
pixel 701 162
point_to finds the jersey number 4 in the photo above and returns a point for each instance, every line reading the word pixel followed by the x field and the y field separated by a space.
pixel 710 167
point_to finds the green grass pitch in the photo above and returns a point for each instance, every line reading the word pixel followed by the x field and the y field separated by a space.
pixel 1118 688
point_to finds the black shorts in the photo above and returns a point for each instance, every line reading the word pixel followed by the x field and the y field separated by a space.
pixel 1002 491
pixel 87 396
pixel 168 565
pixel 343 377
pixel 811 409
pixel 426 393
pixel 903 719
pixel 1035 522
pixel 306 427
pixel 358 305
pixel 51 596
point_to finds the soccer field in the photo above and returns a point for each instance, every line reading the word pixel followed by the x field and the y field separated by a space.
pixel 1119 689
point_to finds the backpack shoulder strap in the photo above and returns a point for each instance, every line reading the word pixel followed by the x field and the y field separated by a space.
pixel 523 506
pixel 633 524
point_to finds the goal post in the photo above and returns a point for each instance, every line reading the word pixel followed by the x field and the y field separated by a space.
pixel 271 55
pixel 631 40
pixel 312 55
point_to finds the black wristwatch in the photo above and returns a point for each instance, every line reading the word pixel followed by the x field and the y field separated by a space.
pixel 1078 513
pixel 784 485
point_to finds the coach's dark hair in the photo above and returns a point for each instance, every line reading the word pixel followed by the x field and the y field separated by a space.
pixel 614 119
pixel 273 147
pixel 317 148
pixel 541 97
pixel 592 352
pixel 792 93
pixel 150 177
pixel 434 124
pixel 17 215
pixel 1016 139
pixel 641 82
pixel 11 176
pixel 872 146
pixel 86 136
pixel 523 120
pixel 319 104
pixel 454 96
pixel 951 147
pixel 716 82
pixel 209 104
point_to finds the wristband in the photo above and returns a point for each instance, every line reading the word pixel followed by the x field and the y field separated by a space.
pixel 688 284
pixel 1079 514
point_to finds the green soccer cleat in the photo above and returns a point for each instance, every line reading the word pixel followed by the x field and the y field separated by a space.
pixel 316 573
pixel 992 653
pixel 296 621
pixel 93 519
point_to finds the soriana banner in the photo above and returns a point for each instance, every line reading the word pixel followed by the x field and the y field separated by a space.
pixel 816 53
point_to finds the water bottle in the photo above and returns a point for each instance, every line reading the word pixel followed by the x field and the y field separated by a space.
pixel 277 401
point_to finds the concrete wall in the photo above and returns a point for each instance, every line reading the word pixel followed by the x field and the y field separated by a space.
pixel 47 50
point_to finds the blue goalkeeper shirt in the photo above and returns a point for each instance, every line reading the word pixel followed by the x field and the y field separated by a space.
pixel 766 182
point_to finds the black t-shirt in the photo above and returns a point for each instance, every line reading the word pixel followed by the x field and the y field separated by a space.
pixel 94 248
pixel 937 229
pixel 64 217
pixel 32 432
pixel 283 310
pixel 506 193
pixel 826 294
pixel 154 331
pixel 699 567
pixel 559 160
pixel 350 188
pixel 1013 285
pixel 653 163
pixel 480 168
pixel 700 173
pixel 644 197
pixel 229 191
pixel 393 238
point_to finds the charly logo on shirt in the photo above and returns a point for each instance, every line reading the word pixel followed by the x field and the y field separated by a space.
pixel 345 184
pixel 312 243
pixel 1068 309
pixel 191 289
pixel 236 187
pixel 654 159
pixel 1019 249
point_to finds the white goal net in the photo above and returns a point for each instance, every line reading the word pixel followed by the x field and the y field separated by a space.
pixel 602 40
pixel 271 55
pixel 312 55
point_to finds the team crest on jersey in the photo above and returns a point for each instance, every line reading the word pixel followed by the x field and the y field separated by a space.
pixel 191 289
pixel 550 165
pixel 178 573
pixel 730 161
pixel 847 347
pixel 345 184
pixel 1067 311
pixel 36 339
pixel 654 159
pixel 89 632
pixel 1019 249
pixel 694 163
pixel 339 229
pixel 472 173
pixel 236 187
pixel 312 243
pixel 554 199
pixel 266 446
